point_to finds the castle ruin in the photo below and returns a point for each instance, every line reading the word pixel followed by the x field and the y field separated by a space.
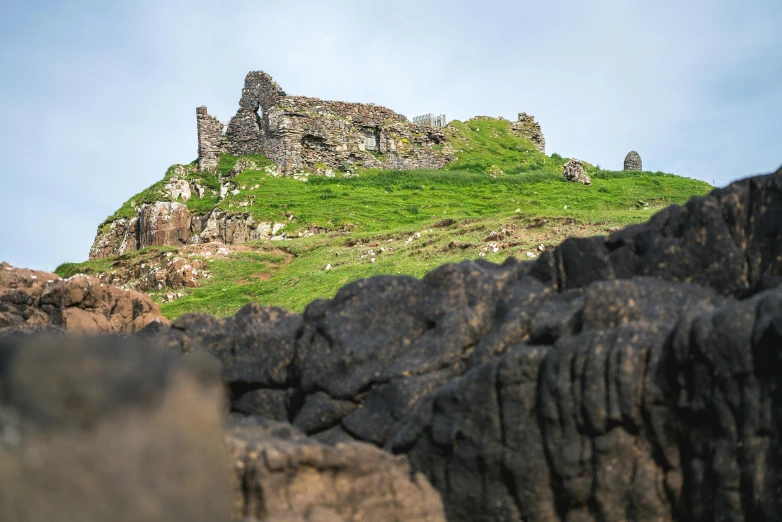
pixel 300 133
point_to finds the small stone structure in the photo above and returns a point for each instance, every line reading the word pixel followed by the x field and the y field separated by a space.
pixel 633 161
pixel 210 139
pixel 299 133
pixel 574 171
pixel 527 127
pixel 431 119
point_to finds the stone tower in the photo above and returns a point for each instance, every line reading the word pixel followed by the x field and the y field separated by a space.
pixel 633 161
pixel 210 140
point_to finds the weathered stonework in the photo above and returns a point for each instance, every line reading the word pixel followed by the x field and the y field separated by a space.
pixel 633 161
pixel 528 128
pixel 210 140
pixel 305 134
pixel 574 171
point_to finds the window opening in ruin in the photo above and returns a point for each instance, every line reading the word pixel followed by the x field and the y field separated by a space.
pixel 370 139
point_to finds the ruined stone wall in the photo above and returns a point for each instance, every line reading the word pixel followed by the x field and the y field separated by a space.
pixel 527 127
pixel 247 129
pixel 301 133
pixel 210 140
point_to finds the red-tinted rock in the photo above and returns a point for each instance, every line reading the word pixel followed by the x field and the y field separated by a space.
pixel 31 299
pixel 164 223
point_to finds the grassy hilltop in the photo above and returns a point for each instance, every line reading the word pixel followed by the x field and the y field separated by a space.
pixel 499 198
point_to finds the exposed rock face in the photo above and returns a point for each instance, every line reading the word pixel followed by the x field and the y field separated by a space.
pixel 633 161
pixel 232 228
pixel 287 477
pixel 154 271
pixel 179 188
pixel 81 304
pixel 210 140
pixel 628 377
pixel 574 171
pixel 171 224
pixel 109 430
pixel 527 127
pixel 164 223
pixel 300 133
pixel 119 237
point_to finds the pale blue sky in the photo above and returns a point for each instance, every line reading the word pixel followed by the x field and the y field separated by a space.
pixel 98 98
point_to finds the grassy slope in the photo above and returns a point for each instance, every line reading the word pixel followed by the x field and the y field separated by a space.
pixel 382 209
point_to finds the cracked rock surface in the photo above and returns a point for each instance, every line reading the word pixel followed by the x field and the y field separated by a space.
pixel 628 377
pixel 633 377
pixel 33 299
pixel 286 476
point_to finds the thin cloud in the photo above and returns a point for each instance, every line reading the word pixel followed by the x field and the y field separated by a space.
pixel 99 98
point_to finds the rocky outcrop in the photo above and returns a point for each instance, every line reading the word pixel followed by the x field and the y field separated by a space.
pixel 628 377
pixel 233 228
pixel 116 238
pixel 109 430
pixel 573 170
pixel 633 377
pixel 285 476
pixel 633 161
pixel 304 134
pixel 32 299
pixel 528 128
pixel 164 223
pixel 171 224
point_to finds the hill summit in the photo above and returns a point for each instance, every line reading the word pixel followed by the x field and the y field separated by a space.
pixel 282 135
pixel 295 197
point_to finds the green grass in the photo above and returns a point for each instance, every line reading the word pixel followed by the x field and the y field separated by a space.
pixel 96 266
pixel 497 181
pixel 482 143
pixel 387 200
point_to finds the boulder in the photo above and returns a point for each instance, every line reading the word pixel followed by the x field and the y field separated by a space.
pixel 285 476
pixel 164 224
pixel 177 188
pixel 574 171
pixel 108 429
pixel 32 299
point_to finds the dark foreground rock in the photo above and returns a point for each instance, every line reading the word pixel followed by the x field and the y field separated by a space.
pixel 33 299
pixel 628 377
pixel 635 377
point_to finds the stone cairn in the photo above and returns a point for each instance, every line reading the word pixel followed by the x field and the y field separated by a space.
pixel 574 171
pixel 633 161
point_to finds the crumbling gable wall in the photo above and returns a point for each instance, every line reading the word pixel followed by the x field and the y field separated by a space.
pixel 301 133
pixel 210 140
pixel 527 127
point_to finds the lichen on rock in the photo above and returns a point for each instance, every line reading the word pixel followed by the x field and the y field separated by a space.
pixel 573 170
